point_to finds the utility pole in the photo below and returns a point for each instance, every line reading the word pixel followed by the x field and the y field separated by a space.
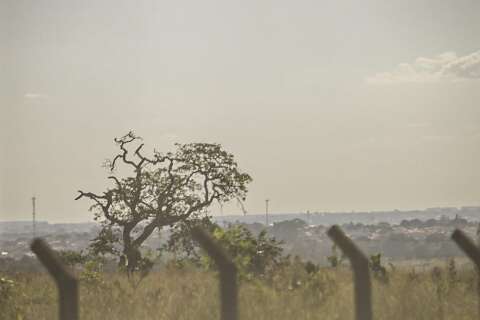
pixel 33 217
pixel 266 211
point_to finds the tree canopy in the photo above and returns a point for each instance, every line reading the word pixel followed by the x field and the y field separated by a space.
pixel 164 189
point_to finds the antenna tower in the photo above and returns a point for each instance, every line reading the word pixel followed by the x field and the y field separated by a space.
pixel 33 217
pixel 266 211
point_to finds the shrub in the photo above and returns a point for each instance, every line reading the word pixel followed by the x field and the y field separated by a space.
pixel 253 256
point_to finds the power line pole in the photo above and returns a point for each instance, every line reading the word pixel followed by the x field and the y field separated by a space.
pixel 33 217
pixel 266 211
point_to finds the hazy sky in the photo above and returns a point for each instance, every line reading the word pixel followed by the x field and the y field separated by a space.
pixel 329 105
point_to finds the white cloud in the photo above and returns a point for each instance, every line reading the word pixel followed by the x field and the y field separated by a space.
pixel 445 67
pixel 35 96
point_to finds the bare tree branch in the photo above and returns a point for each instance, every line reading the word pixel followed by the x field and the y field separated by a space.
pixel 165 189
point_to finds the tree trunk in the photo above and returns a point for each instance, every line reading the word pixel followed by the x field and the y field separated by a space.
pixel 131 255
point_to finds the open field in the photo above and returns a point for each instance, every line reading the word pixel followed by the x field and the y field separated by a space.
pixel 290 293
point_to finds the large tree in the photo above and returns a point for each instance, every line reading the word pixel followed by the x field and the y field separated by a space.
pixel 164 189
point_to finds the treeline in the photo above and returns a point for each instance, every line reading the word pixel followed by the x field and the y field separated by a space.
pixel 410 240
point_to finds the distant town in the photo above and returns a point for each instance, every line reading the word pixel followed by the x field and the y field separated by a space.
pixel 397 235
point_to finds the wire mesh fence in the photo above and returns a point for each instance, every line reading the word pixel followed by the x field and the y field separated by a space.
pixel 67 284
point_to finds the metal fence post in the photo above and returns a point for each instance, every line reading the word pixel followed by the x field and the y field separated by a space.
pixel 361 274
pixel 467 246
pixel 470 249
pixel 228 273
pixel 66 282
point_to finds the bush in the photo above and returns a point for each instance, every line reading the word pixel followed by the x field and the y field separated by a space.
pixel 378 270
pixel 252 256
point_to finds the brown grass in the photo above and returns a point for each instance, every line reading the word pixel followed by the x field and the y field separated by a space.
pixel 290 294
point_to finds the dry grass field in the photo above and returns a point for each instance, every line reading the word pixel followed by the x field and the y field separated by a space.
pixel 290 293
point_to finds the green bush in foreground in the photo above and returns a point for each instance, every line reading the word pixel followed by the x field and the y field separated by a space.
pixel 291 292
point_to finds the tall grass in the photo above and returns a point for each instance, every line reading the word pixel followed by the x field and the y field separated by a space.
pixel 289 294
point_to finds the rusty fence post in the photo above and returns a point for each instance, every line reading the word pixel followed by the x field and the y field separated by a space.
pixel 361 274
pixel 470 249
pixel 66 282
pixel 228 273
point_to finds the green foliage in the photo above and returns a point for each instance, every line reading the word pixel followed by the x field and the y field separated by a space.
pixel 378 270
pixel 452 271
pixel 92 273
pixel 163 189
pixel 6 288
pixel 293 293
pixel 106 242
pixel 180 242
pixel 311 268
pixel 72 258
pixel 10 299
pixel 252 255
pixel 334 260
